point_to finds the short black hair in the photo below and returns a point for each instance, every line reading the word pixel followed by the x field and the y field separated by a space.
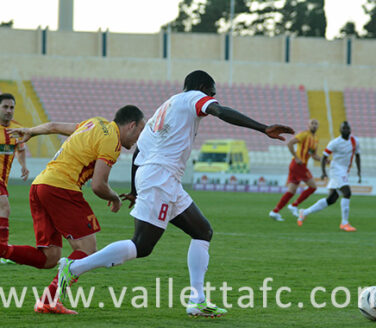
pixel 198 79
pixel 127 114
pixel 4 96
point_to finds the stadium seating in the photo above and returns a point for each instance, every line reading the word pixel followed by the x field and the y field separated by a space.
pixel 71 100
pixel 360 106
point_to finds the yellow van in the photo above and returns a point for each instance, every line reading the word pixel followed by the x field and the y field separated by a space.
pixel 223 155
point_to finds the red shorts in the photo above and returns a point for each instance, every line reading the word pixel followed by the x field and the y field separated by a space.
pixel 3 190
pixel 298 172
pixel 60 212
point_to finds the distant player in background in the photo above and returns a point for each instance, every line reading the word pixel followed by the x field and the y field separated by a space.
pixel 8 148
pixel 57 205
pixel 343 149
pixel 307 142
pixel 158 167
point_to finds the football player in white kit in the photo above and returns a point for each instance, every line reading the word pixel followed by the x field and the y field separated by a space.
pixel 343 149
pixel 158 166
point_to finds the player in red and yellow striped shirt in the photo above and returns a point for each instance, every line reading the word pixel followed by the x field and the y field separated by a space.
pixel 57 205
pixel 307 143
pixel 8 149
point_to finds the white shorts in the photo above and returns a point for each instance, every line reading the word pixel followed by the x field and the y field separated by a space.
pixel 160 196
pixel 338 179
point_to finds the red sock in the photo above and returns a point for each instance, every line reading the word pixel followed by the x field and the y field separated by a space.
pixel 4 230
pixel 53 285
pixel 304 195
pixel 283 201
pixel 25 255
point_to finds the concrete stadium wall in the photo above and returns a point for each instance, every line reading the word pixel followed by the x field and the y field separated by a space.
pixel 258 60
pixel 65 43
pixel 20 41
pixel 318 50
pixel 311 76
pixel 364 52
pixel 259 49
pixel 129 45
pixel 197 46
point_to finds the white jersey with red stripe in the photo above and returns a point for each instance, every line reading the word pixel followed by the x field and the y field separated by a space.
pixel 343 153
pixel 168 136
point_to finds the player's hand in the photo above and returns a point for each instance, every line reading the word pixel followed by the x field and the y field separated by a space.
pixel 324 176
pixel 115 205
pixel 359 178
pixel 24 173
pixel 131 197
pixel 274 131
pixel 298 161
pixel 24 134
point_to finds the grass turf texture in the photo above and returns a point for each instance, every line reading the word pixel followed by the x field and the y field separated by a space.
pixel 246 248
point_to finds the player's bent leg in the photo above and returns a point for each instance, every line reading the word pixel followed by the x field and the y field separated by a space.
pixel 53 254
pixel 332 197
pixel 41 257
pixel 194 223
pixel 114 254
pixel 146 236
pixel 87 244
pixel 291 190
pixel 318 206
pixel 303 196
pixel 346 191
pixel 49 302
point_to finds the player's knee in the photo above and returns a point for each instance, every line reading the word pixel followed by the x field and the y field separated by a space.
pixel 5 211
pixel 143 248
pixel 89 250
pixel 347 194
pixel 332 199
pixel 51 261
pixel 207 234
pixel 143 251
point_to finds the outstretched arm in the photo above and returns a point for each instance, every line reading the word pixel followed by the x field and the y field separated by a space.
pixel 357 161
pixel 133 193
pixel 234 117
pixel 47 128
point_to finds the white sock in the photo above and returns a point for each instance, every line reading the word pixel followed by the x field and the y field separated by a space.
pixel 198 260
pixel 318 206
pixel 114 254
pixel 345 209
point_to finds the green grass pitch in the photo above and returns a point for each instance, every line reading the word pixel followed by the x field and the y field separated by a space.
pixel 247 247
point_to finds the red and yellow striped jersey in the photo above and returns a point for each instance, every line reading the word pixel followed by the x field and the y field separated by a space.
pixel 307 145
pixel 7 150
pixel 73 164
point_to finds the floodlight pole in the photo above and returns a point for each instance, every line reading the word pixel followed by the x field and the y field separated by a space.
pixel 231 52
pixel 169 52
